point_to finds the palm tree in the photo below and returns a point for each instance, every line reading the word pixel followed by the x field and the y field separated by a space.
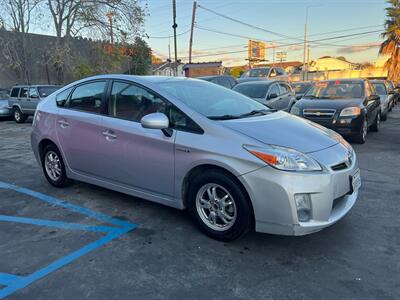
pixel 391 45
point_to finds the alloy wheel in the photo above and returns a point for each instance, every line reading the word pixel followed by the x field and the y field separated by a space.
pixel 216 207
pixel 53 165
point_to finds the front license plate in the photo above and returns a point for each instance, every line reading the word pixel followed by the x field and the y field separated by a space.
pixel 356 180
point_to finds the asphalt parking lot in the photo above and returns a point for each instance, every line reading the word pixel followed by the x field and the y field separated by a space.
pixel 82 242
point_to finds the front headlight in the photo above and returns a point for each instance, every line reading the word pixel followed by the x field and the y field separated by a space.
pixel 285 159
pixel 350 112
pixel 295 111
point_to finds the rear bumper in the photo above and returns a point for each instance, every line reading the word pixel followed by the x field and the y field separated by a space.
pixel 5 112
pixel 272 193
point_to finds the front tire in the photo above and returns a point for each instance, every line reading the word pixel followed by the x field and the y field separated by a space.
pixel 54 167
pixel 377 123
pixel 220 206
pixel 361 137
pixel 19 117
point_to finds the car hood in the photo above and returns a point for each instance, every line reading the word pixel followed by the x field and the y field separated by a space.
pixel 286 130
pixel 337 104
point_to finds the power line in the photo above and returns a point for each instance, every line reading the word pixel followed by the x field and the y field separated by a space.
pixel 167 36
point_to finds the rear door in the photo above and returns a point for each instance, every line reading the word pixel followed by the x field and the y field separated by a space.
pixel 14 97
pixel 23 100
pixel 79 126
pixel 286 96
pixel 33 99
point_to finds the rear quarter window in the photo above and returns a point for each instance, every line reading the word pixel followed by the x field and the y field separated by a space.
pixel 15 92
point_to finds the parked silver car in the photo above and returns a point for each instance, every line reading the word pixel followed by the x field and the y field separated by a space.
pixel 5 111
pixel 188 143
pixel 383 92
pixel 24 99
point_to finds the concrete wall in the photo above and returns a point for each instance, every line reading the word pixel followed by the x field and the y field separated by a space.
pixel 39 51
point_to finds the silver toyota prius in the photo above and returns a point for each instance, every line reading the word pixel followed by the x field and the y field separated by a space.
pixel 232 162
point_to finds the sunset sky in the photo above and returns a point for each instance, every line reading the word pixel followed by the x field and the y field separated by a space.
pixel 327 19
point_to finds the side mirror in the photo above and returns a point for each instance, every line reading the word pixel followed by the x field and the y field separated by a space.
pixel 272 96
pixel 374 98
pixel 157 121
pixel 298 97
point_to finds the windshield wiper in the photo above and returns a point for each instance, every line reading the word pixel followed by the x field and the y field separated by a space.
pixel 258 111
pixel 311 97
pixel 224 117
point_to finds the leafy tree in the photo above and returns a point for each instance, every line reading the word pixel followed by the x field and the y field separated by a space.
pixel 141 58
pixel 391 45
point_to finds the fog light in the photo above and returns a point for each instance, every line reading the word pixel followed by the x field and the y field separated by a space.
pixel 303 206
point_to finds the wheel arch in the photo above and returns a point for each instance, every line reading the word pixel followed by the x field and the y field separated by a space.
pixel 207 167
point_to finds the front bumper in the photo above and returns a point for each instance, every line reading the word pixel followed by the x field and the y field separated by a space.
pixel 272 194
pixel 346 126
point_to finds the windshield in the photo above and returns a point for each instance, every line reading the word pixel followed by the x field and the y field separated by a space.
pixel 252 90
pixel 335 90
pixel 45 91
pixel 212 101
pixel 380 88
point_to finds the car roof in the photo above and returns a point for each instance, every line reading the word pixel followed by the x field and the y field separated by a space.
pixel 35 85
pixel 213 76
pixel 261 82
pixel 377 81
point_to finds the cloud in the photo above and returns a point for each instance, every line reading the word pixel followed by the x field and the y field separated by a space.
pixel 358 48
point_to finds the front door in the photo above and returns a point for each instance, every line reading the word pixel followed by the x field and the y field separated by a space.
pixel 273 97
pixel 132 155
pixel 79 127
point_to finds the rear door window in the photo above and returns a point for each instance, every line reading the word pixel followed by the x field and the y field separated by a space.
pixel 88 97
pixel 15 92
pixel 23 93
pixel 284 88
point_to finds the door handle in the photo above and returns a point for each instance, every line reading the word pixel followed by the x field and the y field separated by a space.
pixel 63 123
pixel 109 135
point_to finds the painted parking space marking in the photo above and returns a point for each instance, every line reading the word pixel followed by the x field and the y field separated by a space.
pixel 13 283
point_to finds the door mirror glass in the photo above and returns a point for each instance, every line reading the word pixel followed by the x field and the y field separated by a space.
pixel 155 121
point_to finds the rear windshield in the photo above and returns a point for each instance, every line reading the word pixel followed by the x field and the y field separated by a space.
pixel 45 91
pixel 301 88
pixel 252 90
pixel 380 88
pixel 257 73
pixel 335 90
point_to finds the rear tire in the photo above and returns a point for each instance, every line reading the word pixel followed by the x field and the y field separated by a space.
pixel 376 125
pixel 53 167
pixel 220 206
pixel 19 117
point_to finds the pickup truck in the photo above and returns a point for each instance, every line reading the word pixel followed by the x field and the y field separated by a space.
pixel 24 99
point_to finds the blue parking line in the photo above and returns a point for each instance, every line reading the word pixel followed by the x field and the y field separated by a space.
pixel 62 225
pixel 14 283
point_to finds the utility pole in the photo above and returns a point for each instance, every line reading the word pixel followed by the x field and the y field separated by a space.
pixel 110 16
pixel 308 60
pixel 191 31
pixel 305 46
pixel 174 26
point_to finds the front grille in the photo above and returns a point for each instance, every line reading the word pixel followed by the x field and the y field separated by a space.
pixel 338 167
pixel 319 113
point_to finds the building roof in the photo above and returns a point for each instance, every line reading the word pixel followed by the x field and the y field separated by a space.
pixel 203 65
pixel 284 64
